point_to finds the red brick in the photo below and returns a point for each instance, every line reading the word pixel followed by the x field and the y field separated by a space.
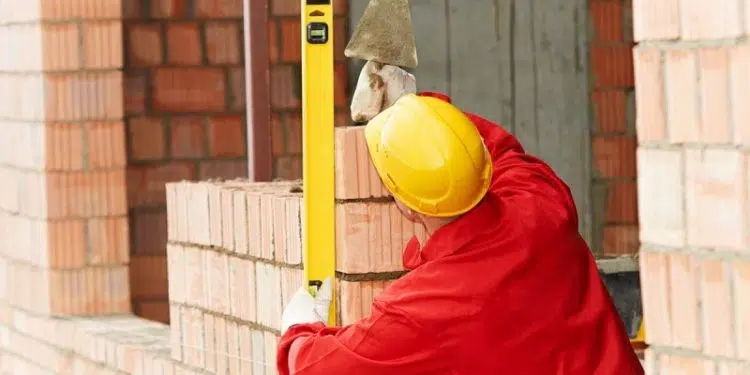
pixel 716 298
pixel 146 138
pixel 61 47
pixel 226 136
pixel 622 203
pixel 134 88
pixel 183 44
pixel 284 87
pixel 293 131
pixel 148 276
pixel 273 40
pixel 149 231
pixel 223 43
pixel 144 44
pixel 286 7
pixel 153 310
pixel 356 299
pixel 237 88
pixel 610 111
pixel 109 240
pixel 187 137
pixel 189 89
pixel 341 8
pixel 102 44
pixel 64 147
pixel 219 8
pixel 77 96
pixel 612 66
pixel 682 100
pixel 223 169
pixel 106 144
pixel 649 95
pixel 341 84
pixel 166 9
pixel 620 240
pixel 146 183
pixel 83 194
pixel 278 138
pixel 656 20
pixel 607 19
pixel 340 31
pixel 714 94
pixel 291 39
pixel 614 156
pixel 288 167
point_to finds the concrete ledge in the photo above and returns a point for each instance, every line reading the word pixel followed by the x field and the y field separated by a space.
pixel 611 264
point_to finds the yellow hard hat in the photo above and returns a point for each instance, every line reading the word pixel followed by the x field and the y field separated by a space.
pixel 429 155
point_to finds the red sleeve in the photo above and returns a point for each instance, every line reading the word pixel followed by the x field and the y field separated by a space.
pixel 386 343
pixel 517 173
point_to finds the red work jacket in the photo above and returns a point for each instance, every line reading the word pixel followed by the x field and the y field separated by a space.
pixel 508 288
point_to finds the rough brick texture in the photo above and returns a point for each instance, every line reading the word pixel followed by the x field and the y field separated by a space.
pixel 614 140
pixel 692 121
pixel 63 216
pixel 185 115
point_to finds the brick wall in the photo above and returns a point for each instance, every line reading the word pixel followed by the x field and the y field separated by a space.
pixel 614 141
pixel 185 112
pixel 284 38
pixel 692 69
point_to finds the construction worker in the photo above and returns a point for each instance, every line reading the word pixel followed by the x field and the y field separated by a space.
pixel 504 284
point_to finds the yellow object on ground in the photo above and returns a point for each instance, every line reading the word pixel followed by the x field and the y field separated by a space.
pixel 429 155
pixel 317 144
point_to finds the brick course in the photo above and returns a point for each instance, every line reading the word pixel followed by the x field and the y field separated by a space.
pixel 693 185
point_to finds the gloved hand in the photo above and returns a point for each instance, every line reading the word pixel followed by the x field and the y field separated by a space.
pixel 303 308
pixel 378 87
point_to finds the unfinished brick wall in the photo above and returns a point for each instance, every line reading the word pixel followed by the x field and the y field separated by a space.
pixel 285 85
pixel 235 259
pixel 185 112
pixel 614 141
pixel 692 68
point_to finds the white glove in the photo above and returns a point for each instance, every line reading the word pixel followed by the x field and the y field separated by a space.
pixel 378 87
pixel 303 308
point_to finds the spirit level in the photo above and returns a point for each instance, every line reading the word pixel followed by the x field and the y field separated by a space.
pixel 317 144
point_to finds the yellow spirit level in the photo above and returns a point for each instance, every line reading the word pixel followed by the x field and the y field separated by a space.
pixel 318 231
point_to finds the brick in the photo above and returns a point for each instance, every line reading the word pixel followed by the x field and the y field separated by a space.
pixel 175 332
pixel 730 368
pixel 717 210
pixel 685 301
pixel 148 277
pixel 72 9
pixel 184 44
pixel 740 92
pixel 146 183
pixel 610 110
pixel 356 298
pixel 614 156
pixel 109 240
pixel 222 169
pixel 187 137
pixel 149 230
pixel 291 280
pixel 64 145
pixel 106 144
pixel 86 194
pixel 341 84
pixel 716 20
pixel 219 8
pixel 193 337
pixel 146 138
pixel 714 95
pixel 340 28
pixel 223 43
pixel 293 238
pixel 717 308
pixel 266 226
pixel 226 136
pixel 607 19
pixel 274 47
pixel 656 292
pixel 612 66
pixel 682 100
pixel 220 334
pixel 620 240
pixel 157 311
pixel 285 85
pixel 656 20
pixel 166 9
pixel 85 95
pixel 189 89
pixel 622 203
pixel 285 7
pixel 67 243
pixel 278 136
pixel 102 44
pixel 61 47
pixel 741 287
pixel 227 219
pixel 291 43
pixel 370 237
pixel 144 44
pixel 268 289
pixel 135 88
pixel 352 159
pixel 195 285
pixel 661 213
pixel 649 94
pixel 233 348
pixel 237 88
pixel 241 289
pixel 674 364
pixel 239 213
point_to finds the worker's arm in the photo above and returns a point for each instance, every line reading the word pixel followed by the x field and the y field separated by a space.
pixel 386 343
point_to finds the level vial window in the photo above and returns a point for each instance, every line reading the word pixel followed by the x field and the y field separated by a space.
pixel 317 33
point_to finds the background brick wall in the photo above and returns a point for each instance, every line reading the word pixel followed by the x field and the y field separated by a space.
pixel 185 112
pixel 285 83
pixel 614 140
pixel 692 69
pixel 63 223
